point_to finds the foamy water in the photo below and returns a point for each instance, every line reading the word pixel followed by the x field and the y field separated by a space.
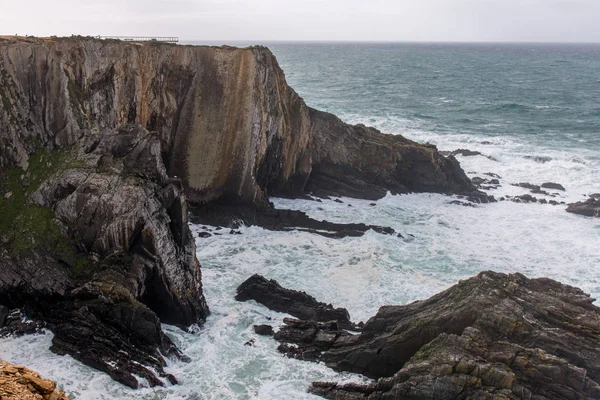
pixel 442 244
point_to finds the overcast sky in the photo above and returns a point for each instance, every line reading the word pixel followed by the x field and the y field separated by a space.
pixel 356 20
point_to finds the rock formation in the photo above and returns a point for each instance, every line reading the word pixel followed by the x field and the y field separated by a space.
pixel 19 383
pixel 101 142
pixel 588 208
pixel 493 336
pixel 293 302
pixel 96 244
pixel 230 127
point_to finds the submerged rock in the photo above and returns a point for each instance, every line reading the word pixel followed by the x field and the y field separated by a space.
pixel 588 208
pixel 20 383
pixel 552 185
pixel 299 304
pixel 492 336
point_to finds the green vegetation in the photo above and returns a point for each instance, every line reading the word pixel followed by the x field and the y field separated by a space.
pixel 26 227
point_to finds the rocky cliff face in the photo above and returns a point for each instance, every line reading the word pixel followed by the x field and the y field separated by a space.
pixel 230 127
pixel 19 383
pixel 100 144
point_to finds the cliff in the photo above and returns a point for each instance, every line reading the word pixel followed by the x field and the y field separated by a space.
pixel 101 145
pixel 229 125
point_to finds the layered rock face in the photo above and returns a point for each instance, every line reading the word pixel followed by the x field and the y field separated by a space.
pixel 230 127
pixel 102 141
pixel 96 244
pixel 493 336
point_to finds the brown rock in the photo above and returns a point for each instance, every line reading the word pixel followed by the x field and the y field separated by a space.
pixel 19 383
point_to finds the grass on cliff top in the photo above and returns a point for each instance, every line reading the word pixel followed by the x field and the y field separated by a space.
pixel 26 227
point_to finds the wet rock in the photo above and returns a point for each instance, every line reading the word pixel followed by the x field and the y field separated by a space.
pixel 338 201
pixel 552 185
pixel 299 304
pixel 16 323
pixel 250 343
pixel 462 203
pixel 204 235
pixel 527 185
pixel 539 159
pixel 279 220
pixel 467 153
pixel 492 336
pixel 526 198
pixel 119 260
pixel 372 204
pixel 493 175
pixel 588 208
pixel 263 330
pixel 234 232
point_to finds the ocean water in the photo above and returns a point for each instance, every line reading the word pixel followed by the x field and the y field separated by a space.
pixel 533 108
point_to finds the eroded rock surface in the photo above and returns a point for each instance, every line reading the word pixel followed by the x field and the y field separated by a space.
pixel 20 383
pixel 230 127
pixel 494 336
pixel 101 251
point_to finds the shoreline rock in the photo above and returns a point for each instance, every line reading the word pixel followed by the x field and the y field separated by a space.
pixel 588 208
pixel 492 336
pixel 299 304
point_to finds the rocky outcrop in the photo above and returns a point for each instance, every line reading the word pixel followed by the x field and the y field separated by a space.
pixel 279 220
pixel 96 244
pixel 102 141
pixel 588 208
pixel 19 383
pixel 493 336
pixel 230 127
pixel 299 304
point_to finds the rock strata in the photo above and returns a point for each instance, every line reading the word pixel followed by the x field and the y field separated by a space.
pixel 299 304
pixel 102 253
pixel 493 336
pixel 20 383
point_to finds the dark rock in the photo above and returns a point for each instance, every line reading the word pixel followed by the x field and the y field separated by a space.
pixel 462 203
pixel 117 261
pixel 553 202
pixel 338 201
pixel 493 175
pixel 279 220
pixel 552 185
pixel 204 235
pixel 16 323
pixel 543 201
pixel 588 208
pixel 250 343
pixel 234 232
pixel 539 159
pixel 527 185
pixel 373 204
pixel 595 196
pixel 467 153
pixel 492 336
pixel 526 198
pixel 263 330
pixel 3 314
pixel 299 304
pixel 494 182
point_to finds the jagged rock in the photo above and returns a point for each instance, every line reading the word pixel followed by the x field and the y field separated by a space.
pixel 20 383
pixel 299 304
pixel 15 323
pixel 119 259
pixel 588 208
pixel 279 220
pixel 492 336
pixel 552 185
pixel 263 330
pixel 467 153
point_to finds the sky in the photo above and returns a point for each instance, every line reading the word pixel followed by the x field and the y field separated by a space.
pixel 310 20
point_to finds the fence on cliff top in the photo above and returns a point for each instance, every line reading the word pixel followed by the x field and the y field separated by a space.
pixel 168 39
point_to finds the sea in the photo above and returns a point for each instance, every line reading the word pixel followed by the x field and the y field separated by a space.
pixel 531 110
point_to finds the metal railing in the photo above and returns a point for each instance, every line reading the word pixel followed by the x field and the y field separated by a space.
pixel 142 38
